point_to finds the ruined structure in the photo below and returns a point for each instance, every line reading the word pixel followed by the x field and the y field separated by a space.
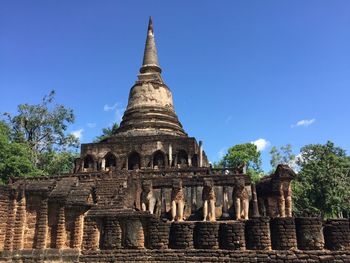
pixel 149 194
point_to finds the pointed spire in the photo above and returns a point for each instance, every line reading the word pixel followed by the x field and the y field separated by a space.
pixel 150 58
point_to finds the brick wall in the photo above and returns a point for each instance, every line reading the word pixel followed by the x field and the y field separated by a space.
pixel 3 214
pixel 180 255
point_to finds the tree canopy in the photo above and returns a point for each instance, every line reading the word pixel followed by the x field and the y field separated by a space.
pixel 107 132
pixel 15 158
pixel 247 154
pixel 282 155
pixel 40 130
pixel 323 183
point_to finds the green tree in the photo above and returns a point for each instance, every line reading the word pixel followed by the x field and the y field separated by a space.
pixel 43 129
pixel 107 132
pixel 58 162
pixel 282 155
pixel 323 183
pixel 15 158
pixel 247 154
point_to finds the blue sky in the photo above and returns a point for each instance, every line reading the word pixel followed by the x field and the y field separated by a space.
pixel 239 71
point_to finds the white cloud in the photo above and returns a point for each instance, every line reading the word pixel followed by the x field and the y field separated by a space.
pixel 78 133
pixel 303 123
pixel 261 144
pixel 91 125
pixel 119 110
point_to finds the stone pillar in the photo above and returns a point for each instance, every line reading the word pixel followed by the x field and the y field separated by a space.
pixel 309 233
pixel 61 228
pixel 232 235
pixel 170 155
pixel 42 225
pixel 181 235
pixel 18 238
pixel 255 207
pixel 10 221
pixel 225 214
pixel 257 233
pixel 78 230
pixel 283 236
pixel 200 154
pixel 103 164
pixel 206 235
pixel 337 234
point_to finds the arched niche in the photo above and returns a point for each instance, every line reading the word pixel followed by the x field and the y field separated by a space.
pixel 182 158
pixel 89 162
pixel 195 160
pixel 110 161
pixel 159 160
pixel 134 161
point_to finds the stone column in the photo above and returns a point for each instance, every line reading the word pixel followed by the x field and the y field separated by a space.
pixel 200 154
pixel 255 207
pixel 61 228
pixel 103 164
pixel 170 155
pixel 10 221
pixel 78 230
pixel 18 238
pixel 42 225
pixel 225 214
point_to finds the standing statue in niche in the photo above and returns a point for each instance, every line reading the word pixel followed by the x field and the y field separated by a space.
pixel 208 197
pixel 148 201
pixel 240 198
pixel 177 201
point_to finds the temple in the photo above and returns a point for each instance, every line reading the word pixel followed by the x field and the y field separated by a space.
pixel 149 194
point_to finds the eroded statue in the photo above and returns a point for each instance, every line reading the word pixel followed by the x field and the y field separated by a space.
pixel 240 198
pixel 209 198
pixel 177 201
pixel 148 201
